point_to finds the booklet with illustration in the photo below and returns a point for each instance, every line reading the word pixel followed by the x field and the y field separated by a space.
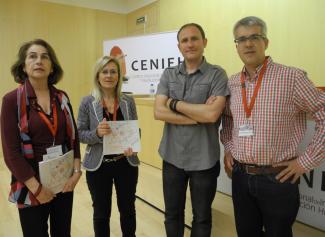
pixel 55 172
pixel 124 134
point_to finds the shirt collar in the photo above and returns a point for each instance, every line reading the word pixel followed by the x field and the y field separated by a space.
pixel 259 68
pixel 202 68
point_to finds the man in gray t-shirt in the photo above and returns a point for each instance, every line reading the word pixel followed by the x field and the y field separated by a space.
pixel 190 99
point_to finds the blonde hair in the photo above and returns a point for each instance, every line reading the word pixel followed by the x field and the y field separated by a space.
pixel 99 66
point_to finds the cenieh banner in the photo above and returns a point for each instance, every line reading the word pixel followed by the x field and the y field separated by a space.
pixel 312 198
pixel 143 59
pixel 312 189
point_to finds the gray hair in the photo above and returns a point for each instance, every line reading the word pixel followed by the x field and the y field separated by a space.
pixel 100 64
pixel 251 21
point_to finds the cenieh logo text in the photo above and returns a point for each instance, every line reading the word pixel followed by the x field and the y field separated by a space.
pixel 155 64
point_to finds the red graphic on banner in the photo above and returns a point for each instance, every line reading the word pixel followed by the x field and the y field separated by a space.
pixel 117 52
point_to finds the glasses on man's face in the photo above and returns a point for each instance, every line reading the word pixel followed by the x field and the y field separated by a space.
pixel 252 38
pixel 111 72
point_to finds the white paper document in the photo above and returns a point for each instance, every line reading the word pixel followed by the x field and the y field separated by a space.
pixel 124 134
pixel 55 172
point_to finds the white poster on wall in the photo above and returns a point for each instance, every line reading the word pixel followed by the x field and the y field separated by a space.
pixel 144 58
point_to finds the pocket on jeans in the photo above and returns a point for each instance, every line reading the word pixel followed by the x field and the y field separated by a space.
pixel 272 178
pixel 235 167
pixel 271 188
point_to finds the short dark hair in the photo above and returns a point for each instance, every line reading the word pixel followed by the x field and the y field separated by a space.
pixel 17 69
pixel 191 24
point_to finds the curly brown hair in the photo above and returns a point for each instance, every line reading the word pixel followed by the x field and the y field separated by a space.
pixel 17 69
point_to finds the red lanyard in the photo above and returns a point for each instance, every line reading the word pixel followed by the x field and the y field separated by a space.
pixel 115 108
pixel 249 108
pixel 52 127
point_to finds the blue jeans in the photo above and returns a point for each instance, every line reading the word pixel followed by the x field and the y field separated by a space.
pixel 262 202
pixel 203 186
pixel 100 184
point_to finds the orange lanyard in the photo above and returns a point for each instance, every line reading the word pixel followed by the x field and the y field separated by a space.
pixel 249 108
pixel 115 108
pixel 52 127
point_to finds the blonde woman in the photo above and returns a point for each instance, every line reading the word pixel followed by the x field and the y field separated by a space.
pixel 107 103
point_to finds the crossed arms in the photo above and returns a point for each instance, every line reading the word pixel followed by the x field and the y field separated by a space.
pixel 189 113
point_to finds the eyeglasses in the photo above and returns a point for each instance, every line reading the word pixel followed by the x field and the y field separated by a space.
pixel 111 72
pixel 252 38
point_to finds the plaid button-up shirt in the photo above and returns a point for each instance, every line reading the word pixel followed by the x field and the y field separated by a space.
pixel 278 118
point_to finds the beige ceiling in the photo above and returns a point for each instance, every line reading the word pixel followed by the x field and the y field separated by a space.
pixel 118 6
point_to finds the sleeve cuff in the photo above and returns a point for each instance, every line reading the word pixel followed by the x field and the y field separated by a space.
pixel 306 162
pixel 95 137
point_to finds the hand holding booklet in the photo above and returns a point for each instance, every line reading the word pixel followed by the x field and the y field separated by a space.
pixel 55 172
pixel 124 134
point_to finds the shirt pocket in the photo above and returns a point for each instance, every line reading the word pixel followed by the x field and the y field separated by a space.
pixel 175 90
pixel 200 93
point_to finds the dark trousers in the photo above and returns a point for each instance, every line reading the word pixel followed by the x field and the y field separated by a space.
pixel 262 202
pixel 203 186
pixel 100 184
pixel 33 220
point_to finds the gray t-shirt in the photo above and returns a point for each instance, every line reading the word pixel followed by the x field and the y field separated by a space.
pixel 192 147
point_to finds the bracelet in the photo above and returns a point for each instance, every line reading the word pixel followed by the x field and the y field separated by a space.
pixel 38 191
pixel 172 105
pixel 77 171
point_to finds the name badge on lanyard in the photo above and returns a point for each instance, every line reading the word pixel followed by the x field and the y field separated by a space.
pixel 246 130
pixel 53 151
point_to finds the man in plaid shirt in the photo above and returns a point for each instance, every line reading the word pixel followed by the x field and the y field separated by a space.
pixel 263 124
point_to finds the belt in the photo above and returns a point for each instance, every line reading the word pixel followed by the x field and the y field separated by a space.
pixel 111 159
pixel 259 170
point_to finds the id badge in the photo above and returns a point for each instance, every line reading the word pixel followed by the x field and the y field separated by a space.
pixel 50 156
pixel 53 152
pixel 246 130
pixel 55 149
